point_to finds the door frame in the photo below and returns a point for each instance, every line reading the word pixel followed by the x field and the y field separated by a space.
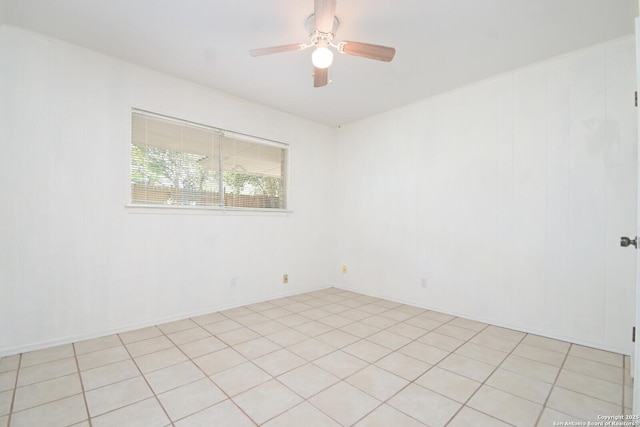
pixel 635 355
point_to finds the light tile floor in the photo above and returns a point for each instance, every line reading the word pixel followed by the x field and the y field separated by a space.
pixel 325 358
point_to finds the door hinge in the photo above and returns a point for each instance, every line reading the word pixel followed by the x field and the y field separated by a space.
pixel 636 96
pixel 633 334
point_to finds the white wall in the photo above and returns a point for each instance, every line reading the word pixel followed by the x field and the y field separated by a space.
pixel 74 262
pixel 508 197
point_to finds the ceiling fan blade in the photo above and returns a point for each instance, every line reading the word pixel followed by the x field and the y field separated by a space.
pixel 366 50
pixel 320 76
pixel 325 11
pixel 277 49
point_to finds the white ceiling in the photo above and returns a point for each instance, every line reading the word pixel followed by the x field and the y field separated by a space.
pixel 440 44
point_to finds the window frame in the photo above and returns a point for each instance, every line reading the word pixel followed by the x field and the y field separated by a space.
pixel 137 207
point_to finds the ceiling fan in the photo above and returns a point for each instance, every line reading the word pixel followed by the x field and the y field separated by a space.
pixel 322 26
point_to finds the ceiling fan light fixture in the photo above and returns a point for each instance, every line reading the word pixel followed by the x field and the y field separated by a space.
pixel 321 27
pixel 322 57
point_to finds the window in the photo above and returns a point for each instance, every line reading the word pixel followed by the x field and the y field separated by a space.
pixel 178 163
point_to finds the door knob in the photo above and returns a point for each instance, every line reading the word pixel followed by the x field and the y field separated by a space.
pixel 625 241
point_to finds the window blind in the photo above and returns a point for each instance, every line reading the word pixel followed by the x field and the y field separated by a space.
pixel 175 162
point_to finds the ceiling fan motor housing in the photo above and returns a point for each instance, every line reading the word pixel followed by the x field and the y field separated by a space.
pixel 318 38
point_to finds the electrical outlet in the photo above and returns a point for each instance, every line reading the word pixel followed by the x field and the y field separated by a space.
pixel 423 282
pixel 285 278
pixel 345 269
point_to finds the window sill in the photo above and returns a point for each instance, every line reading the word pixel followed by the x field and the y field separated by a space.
pixel 201 210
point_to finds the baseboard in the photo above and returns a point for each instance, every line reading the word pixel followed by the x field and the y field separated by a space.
pixel 533 331
pixel 152 322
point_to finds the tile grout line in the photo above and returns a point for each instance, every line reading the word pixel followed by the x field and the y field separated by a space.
pixel 145 380
pixel 208 377
pixel 386 401
pixel 555 380
pixel 229 346
pixel 589 376
pixel 335 349
pixel 275 378
pixel 562 368
pixel 381 403
pixel 464 405
pixel 84 396
pixel 592 377
pixel 521 341
pixel 15 388
pixel 554 384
